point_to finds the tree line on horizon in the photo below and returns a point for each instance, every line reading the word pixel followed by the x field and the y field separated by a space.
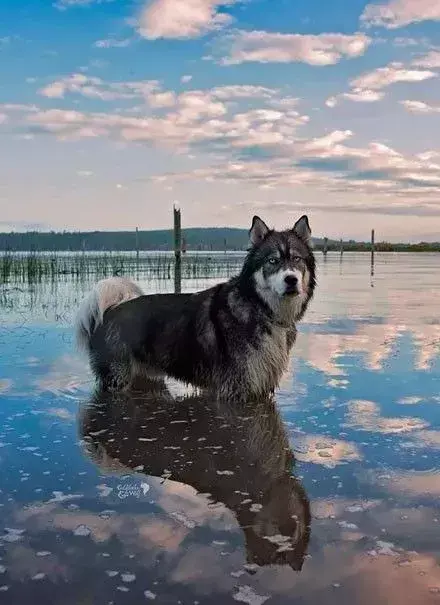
pixel 196 238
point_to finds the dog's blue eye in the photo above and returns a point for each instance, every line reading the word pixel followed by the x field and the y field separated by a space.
pixel 273 260
pixel 296 259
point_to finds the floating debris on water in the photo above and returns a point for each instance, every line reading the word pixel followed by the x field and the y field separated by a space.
pixel 246 594
pixel 149 595
pixel 82 530
pixel 128 577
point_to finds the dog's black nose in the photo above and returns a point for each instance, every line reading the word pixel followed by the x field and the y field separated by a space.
pixel 291 280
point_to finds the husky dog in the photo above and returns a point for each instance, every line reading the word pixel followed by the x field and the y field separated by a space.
pixel 239 454
pixel 233 339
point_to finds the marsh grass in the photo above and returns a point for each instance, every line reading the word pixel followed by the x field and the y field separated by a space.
pixel 34 267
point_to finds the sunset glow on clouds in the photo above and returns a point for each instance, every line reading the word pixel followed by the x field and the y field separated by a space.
pixel 111 111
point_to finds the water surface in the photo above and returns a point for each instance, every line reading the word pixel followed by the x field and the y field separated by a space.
pixel 330 495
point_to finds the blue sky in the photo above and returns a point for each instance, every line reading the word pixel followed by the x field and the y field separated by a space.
pixel 112 110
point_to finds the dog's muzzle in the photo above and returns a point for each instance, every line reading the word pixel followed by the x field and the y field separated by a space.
pixel 291 283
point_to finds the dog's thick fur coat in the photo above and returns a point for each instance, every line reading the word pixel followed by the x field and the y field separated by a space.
pixel 233 339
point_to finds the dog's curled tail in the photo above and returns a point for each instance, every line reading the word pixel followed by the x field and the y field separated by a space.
pixel 106 293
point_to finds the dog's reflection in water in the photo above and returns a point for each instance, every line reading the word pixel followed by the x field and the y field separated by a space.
pixel 239 455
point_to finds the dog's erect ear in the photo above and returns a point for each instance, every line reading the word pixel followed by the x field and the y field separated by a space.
pixel 258 231
pixel 302 229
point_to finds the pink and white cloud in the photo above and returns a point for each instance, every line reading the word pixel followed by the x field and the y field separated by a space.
pixel 112 43
pixel 369 87
pixel 429 61
pixel 182 19
pixel 420 107
pixel 271 47
pixel 391 74
pixel 65 4
pixel 400 13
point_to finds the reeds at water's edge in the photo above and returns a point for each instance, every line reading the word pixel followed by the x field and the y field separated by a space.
pixel 33 267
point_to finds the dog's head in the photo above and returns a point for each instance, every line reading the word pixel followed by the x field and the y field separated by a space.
pixel 279 534
pixel 281 263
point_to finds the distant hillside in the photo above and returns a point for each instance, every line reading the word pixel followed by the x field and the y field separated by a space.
pixel 203 238
pixel 195 238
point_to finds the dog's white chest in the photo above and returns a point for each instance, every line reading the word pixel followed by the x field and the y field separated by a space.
pixel 268 361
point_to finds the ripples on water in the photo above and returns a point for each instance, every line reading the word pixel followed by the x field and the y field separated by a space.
pixel 327 495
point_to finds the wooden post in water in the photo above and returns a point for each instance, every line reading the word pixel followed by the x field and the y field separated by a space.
pixel 177 250
pixel 325 248
pixel 341 248
pixel 137 246
pixel 372 253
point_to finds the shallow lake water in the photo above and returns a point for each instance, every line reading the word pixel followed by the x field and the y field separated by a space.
pixel 329 496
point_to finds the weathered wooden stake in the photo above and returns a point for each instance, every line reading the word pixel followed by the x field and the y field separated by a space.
pixel 177 250
pixel 325 248
pixel 137 246
pixel 341 248
pixel 372 254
